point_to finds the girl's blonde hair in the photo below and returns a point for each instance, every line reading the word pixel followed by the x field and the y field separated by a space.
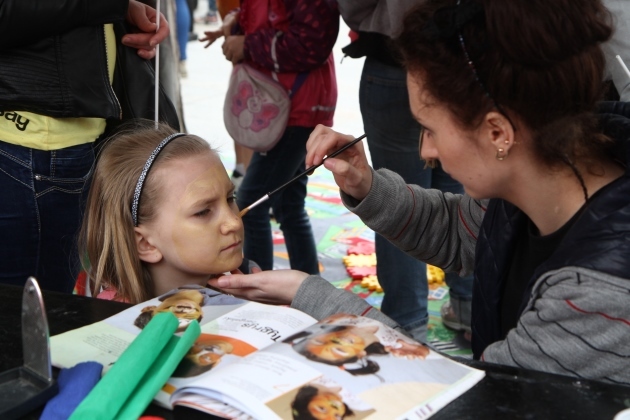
pixel 107 239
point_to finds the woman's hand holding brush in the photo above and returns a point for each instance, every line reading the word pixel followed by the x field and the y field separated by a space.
pixel 350 168
pixel 343 146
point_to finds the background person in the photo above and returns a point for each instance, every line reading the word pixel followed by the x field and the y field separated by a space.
pixel 63 73
pixel 288 38
pixel 392 137
pixel 228 9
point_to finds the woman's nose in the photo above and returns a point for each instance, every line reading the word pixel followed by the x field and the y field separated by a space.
pixel 427 149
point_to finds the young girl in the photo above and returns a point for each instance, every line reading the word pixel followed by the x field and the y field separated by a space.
pixel 161 214
pixel 507 97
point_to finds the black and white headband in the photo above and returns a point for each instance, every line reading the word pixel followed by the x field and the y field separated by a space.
pixel 143 175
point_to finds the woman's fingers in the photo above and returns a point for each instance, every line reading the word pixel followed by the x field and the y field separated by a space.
pixel 277 287
pixel 322 142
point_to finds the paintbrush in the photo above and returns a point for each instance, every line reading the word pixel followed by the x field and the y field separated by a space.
pixel 623 65
pixel 308 171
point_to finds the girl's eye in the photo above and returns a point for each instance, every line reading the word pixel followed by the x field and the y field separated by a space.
pixel 202 213
pixel 231 198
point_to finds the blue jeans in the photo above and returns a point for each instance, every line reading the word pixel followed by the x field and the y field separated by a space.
pixel 183 21
pixel 265 173
pixel 393 137
pixel 42 196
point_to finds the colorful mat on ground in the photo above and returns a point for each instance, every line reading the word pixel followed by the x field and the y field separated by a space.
pixel 338 234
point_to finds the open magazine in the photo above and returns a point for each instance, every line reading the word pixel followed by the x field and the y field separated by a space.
pixel 272 362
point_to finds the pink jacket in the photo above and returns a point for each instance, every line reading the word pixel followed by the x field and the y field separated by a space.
pixel 293 36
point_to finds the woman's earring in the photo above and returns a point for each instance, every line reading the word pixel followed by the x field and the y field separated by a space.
pixel 501 154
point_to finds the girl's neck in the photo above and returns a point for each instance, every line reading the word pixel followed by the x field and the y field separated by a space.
pixel 165 279
pixel 550 199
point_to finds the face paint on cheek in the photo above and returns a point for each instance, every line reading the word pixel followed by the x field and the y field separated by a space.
pixel 197 242
pixel 193 246
pixel 326 406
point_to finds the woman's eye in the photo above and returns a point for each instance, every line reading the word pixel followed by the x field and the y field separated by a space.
pixel 231 198
pixel 202 213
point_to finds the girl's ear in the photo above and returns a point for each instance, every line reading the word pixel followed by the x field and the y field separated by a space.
pixel 147 252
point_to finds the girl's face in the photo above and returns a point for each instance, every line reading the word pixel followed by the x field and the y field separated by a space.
pixel 197 229
pixel 462 154
pixel 327 406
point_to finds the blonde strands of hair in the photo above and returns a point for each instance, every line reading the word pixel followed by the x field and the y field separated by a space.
pixel 107 237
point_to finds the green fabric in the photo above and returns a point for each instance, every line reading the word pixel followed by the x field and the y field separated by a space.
pixel 162 369
pixel 147 358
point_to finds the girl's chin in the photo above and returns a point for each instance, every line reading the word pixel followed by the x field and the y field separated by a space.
pixel 233 264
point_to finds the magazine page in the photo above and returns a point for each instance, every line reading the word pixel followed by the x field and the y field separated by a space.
pixel 233 336
pixel 345 366
pixel 221 336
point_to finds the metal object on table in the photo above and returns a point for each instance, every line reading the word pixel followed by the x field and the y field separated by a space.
pixel 29 386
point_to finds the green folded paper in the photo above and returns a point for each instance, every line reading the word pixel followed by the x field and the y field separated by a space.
pixel 140 372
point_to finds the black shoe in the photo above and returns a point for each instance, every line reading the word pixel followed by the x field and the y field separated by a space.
pixel 192 36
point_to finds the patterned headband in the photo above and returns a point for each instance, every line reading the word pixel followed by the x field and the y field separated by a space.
pixel 143 175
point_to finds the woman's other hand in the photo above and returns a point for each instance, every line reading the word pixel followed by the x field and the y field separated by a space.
pixel 276 287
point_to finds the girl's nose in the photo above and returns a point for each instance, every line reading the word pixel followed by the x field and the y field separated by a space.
pixel 232 221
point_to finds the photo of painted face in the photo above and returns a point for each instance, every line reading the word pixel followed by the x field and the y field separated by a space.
pixel 204 355
pixel 342 345
pixel 315 402
pixel 338 345
pixel 208 351
pixel 184 304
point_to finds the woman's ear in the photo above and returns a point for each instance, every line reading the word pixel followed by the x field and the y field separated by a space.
pixel 147 252
pixel 499 131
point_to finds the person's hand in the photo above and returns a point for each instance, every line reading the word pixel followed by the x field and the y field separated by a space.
pixel 229 21
pixel 350 169
pixel 276 287
pixel 210 37
pixel 233 48
pixel 225 30
pixel 144 18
